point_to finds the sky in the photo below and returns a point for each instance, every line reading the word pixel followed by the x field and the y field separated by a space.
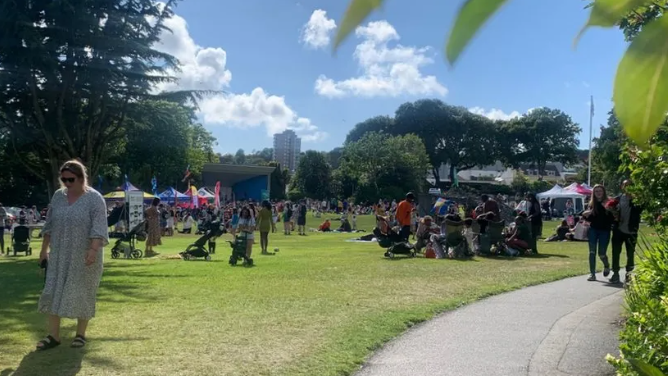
pixel 272 63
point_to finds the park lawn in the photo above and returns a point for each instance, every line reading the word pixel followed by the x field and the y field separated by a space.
pixel 319 307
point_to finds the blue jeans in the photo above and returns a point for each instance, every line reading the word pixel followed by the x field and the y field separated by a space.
pixel 600 238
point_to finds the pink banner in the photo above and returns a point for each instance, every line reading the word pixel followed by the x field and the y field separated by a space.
pixel 217 193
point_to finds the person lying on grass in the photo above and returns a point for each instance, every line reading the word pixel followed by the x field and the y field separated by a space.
pixel 561 233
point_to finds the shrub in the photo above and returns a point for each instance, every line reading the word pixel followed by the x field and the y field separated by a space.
pixel 644 338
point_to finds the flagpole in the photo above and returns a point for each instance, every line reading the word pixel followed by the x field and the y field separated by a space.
pixel 591 122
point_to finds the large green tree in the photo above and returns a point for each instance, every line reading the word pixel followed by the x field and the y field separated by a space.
pixel 374 124
pixel 73 74
pixel 313 176
pixel 280 178
pixel 540 136
pixel 451 135
pixel 399 168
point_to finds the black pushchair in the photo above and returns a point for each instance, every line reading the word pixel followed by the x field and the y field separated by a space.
pixel 126 244
pixel 198 250
pixel 239 251
pixel 394 244
pixel 20 240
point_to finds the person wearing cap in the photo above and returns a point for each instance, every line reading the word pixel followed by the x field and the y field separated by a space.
pixel 403 215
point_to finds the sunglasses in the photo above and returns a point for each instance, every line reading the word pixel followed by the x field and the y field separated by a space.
pixel 68 180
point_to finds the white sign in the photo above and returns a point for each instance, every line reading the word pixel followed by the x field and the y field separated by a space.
pixel 434 191
pixel 135 201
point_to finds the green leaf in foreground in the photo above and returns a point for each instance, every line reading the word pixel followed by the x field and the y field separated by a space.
pixel 608 13
pixel 357 12
pixel 472 15
pixel 645 369
pixel 641 84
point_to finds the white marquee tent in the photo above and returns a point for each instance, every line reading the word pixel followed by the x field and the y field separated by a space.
pixel 560 196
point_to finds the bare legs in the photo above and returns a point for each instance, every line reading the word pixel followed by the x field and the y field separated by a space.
pixel 249 248
pixel 53 323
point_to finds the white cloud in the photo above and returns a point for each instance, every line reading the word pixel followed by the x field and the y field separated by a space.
pixel 206 69
pixel 496 114
pixel 386 71
pixel 316 33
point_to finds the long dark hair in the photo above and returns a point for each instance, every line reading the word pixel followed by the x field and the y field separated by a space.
pixel 593 201
pixel 247 210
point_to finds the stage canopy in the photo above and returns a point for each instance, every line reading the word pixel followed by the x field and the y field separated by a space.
pixel 120 195
pixel 238 182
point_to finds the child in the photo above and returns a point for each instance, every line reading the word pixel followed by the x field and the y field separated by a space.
pixel 234 222
pixel 468 233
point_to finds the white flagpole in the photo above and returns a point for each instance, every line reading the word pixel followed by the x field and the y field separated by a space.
pixel 591 121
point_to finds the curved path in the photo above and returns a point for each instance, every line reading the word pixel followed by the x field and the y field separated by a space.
pixel 556 329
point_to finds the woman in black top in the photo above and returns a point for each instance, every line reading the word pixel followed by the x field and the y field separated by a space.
pixel 536 217
pixel 600 224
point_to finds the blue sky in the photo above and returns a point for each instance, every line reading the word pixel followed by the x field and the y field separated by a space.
pixel 255 51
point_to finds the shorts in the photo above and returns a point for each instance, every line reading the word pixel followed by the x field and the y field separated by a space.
pixel 301 221
pixel 249 236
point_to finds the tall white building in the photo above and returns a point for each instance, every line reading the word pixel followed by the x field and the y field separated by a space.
pixel 287 147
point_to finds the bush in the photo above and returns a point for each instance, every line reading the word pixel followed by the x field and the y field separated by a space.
pixel 644 342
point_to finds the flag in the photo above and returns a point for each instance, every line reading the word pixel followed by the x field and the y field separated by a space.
pixel 126 185
pixel 591 106
pixel 154 185
pixel 455 179
pixel 187 174
pixel 440 202
pixel 194 196
pixel 216 200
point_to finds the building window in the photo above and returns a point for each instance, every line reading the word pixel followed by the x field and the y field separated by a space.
pixel 550 173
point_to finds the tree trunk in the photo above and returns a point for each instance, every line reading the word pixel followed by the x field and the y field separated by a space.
pixel 437 176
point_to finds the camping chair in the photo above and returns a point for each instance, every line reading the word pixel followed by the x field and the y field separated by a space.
pixel 21 240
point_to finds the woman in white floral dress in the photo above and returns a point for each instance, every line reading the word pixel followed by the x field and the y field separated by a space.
pixel 75 232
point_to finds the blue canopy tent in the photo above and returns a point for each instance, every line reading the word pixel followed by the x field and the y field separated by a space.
pixel 170 193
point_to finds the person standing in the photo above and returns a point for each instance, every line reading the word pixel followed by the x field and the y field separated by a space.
pixel 153 237
pixel 600 226
pixel 536 217
pixel 74 235
pixel 301 218
pixel 265 224
pixel 3 216
pixel 403 215
pixel 625 231
pixel 246 229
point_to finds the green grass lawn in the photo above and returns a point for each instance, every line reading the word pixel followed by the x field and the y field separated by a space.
pixel 319 307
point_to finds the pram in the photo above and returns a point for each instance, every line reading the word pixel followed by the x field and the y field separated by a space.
pixel 197 250
pixel 21 240
pixel 394 244
pixel 126 244
pixel 239 251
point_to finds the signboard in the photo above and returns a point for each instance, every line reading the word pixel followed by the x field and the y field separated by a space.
pixel 434 191
pixel 135 207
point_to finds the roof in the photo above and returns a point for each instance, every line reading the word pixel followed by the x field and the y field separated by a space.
pixel 229 174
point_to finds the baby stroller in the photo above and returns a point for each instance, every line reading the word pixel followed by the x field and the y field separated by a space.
pixel 21 241
pixel 126 244
pixel 197 250
pixel 239 251
pixel 394 244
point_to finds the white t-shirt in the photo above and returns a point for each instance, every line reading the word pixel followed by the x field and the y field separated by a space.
pixel 188 223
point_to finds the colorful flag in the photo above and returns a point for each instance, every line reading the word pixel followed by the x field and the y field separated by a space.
pixel 194 196
pixel 440 202
pixel 216 200
pixel 126 185
pixel 187 174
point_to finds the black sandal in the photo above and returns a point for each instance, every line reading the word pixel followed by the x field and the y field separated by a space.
pixel 79 341
pixel 47 343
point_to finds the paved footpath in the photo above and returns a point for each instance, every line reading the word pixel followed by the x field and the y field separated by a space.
pixel 556 329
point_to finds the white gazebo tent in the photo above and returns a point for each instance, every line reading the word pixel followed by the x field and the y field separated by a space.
pixel 560 196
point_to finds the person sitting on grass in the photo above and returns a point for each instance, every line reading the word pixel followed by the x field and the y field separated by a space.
pixel 561 233
pixel 325 226
pixel 425 230
pixel 521 236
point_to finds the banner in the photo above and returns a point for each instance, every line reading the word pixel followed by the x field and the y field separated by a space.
pixel 216 200
pixel 265 195
pixel 154 185
pixel 194 197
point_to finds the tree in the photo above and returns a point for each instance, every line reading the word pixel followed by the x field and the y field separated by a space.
pixel 73 76
pixel 399 168
pixel 375 124
pixel 280 178
pixel 540 136
pixel 334 157
pixel 451 135
pixel 226 158
pixel 313 176
pixel 605 153
pixel 240 157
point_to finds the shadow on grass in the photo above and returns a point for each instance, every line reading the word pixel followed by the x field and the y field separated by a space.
pixel 21 283
pixel 61 361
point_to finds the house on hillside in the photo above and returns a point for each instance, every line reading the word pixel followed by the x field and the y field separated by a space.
pixel 497 173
